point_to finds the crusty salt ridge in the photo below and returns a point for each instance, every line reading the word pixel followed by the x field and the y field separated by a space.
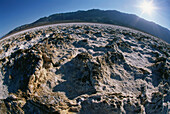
pixel 84 68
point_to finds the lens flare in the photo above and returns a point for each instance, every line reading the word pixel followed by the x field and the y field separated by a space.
pixel 147 6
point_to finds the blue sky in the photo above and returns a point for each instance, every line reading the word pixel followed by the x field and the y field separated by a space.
pixel 14 13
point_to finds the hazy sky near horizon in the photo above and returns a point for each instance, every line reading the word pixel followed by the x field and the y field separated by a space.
pixel 14 13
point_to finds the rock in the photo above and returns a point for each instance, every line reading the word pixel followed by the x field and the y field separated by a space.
pixel 29 37
pixel 99 34
pixel 74 109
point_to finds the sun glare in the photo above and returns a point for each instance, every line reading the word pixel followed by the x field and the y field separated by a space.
pixel 147 7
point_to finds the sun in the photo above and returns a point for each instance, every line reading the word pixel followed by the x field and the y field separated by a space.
pixel 147 6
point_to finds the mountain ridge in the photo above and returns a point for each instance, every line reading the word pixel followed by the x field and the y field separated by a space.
pixel 102 16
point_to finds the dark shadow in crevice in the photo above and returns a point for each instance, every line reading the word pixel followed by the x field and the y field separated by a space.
pixel 18 70
pixel 76 74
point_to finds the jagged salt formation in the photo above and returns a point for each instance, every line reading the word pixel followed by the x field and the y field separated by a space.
pixel 84 68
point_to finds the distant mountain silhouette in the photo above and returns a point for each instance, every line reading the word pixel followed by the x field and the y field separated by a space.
pixel 101 16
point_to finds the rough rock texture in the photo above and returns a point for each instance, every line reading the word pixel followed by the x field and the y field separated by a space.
pixel 84 68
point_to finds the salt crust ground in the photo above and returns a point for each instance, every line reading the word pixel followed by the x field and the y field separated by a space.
pixel 93 65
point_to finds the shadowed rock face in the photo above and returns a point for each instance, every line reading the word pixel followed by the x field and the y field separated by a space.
pixel 18 70
pixel 84 68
